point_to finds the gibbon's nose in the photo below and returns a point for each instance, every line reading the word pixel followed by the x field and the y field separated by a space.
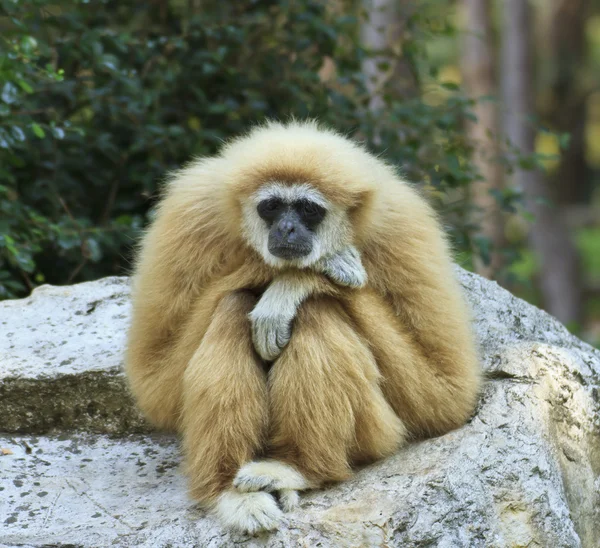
pixel 287 230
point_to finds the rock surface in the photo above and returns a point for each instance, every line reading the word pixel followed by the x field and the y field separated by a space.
pixel 525 471
pixel 61 360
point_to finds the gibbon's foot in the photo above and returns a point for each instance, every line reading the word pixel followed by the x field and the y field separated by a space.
pixel 249 513
pixel 288 499
pixel 345 268
pixel 273 477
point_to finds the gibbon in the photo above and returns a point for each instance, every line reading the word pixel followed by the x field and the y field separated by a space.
pixel 295 314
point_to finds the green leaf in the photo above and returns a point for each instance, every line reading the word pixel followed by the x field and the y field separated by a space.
pixel 9 93
pixel 450 86
pixel 17 133
pixel 39 132
pixel 94 250
pixel 58 133
pixel 564 139
pixel 25 86
pixel 528 216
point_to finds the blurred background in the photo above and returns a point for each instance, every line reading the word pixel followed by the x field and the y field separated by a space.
pixel 492 107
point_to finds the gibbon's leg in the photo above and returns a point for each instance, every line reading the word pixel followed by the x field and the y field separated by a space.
pixel 156 369
pixel 225 417
pixel 164 336
pixel 429 398
pixel 326 407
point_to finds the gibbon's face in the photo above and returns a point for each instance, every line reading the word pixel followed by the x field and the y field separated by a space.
pixel 293 225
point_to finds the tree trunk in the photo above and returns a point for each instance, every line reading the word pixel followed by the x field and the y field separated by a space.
pixel 566 44
pixel 559 279
pixel 382 31
pixel 478 64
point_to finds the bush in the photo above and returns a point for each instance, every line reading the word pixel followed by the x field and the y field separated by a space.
pixel 101 99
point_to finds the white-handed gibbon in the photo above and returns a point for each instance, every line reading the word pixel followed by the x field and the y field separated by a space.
pixel 295 313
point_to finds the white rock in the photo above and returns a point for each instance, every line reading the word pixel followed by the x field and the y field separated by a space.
pixel 61 360
pixel 525 471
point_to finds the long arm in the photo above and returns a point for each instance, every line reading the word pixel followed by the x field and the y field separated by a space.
pixel 415 316
pixel 327 410
pixel 276 310
pixel 186 255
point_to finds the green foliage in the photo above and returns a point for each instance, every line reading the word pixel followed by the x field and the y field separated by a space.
pixel 99 100
pixel 588 243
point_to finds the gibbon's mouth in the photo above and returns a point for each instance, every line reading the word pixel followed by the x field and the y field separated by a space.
pixel 290 252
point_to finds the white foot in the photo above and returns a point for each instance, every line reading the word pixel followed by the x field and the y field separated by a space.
pixel 248 512
pixel 288 499
pixel 272 476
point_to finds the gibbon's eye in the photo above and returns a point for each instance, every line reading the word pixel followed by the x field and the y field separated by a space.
pixel 268 209
pixel 312 213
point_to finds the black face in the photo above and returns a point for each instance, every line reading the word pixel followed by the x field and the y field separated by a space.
pixel 291 226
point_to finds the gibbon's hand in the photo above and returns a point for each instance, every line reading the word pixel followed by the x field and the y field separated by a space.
pixel 344 268
pixel 272 317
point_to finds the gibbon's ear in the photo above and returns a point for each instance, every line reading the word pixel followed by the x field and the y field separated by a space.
pixel 360 213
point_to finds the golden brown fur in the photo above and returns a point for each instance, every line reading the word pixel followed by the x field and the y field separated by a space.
pixel 365 368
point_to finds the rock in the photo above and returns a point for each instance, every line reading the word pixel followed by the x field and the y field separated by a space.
pixel 61 362
pixel 525 471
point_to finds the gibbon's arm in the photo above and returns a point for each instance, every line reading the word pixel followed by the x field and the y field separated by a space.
pixel 272 317
pixel 274 313
pixel 184 249
pixel 344 268
pixel 189 259
pixel 410 267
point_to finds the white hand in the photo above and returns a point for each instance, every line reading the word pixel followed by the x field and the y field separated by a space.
pixel 344 268
pixel 272 317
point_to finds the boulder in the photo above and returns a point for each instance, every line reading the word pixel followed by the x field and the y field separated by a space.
pixel 61 360
pixel 81 467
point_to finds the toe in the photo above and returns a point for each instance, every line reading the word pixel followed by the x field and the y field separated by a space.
pixel 249 483
pixel 289 499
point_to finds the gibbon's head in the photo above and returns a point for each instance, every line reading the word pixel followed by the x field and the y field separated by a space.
pixel 301 191
pixel 293 224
